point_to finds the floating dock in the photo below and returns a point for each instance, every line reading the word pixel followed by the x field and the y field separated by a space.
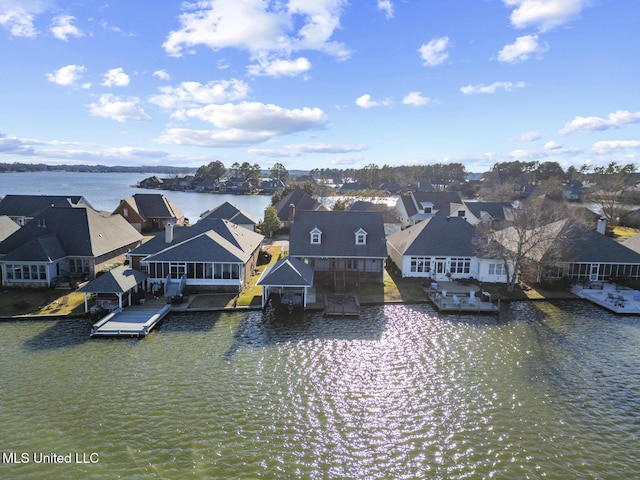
pixel 130 322
pixel 614 298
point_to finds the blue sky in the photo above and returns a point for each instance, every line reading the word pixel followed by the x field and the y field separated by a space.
pixel 320 83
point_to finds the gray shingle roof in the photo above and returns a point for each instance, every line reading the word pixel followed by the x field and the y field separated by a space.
pixel 436 236
pixel 219 238
pixel 287 272
pixel 118 280
pixel 154 205
pixel 229 212
pixel 338 234
pixel 31 205
pixel 301 199
pixel 495 209
pixel 80 231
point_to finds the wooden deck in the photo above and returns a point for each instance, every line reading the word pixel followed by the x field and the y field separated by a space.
pixel 463 302
pixel 135 321
pixel 341 305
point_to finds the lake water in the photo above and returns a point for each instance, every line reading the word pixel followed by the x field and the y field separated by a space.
pixel 105 190
pixel 547 390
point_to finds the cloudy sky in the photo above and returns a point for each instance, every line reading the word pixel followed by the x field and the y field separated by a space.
pixel 319 83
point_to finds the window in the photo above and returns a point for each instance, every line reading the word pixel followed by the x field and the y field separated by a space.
pixel 315 236
pixel 461 213
pixel 496 269
pixel 125 212
pixel 420 264
pixel 427 210
pixel 361 237
pixel 79 265
pixel 460 264
pixel 25 272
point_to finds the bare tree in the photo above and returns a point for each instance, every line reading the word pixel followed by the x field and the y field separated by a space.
pixel 538 229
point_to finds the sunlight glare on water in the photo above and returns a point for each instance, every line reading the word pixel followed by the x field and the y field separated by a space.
pixel 400 392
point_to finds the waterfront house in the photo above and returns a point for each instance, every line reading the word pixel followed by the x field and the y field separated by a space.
pixel 581 254
pixel 65 245
pixel 495 215
pixel 417 206
pixel 149 212
pixel 347 247
pixel 212 255
pixel 270 186
pixel 297 199
pixel 23 208
pixel 442 249
pixel 232 213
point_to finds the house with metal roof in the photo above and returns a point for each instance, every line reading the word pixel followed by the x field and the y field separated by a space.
pixel 149 212
pixel 65 244
pixel 22 208
pixel 232 213
pixel 442 249
pixel 212 255
pixel 347 246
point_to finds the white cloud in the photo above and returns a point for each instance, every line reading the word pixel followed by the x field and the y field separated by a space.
pixel 258 117
pixel 616 119
pixel 190 94
pixel 365 101
pixel 212 138
pixel 259 27
pixel 609 146
pixel 62 29
pixel 551 145
pixel 299 149
pixel 280 67
pixel 522 49
pixel 17 16
pixel 415 98
pixel 492 88
pixel 66 76
pixel 544 14
pixel 115 78
pixel 434 53
pixel 530 136
pixel 162 75
pixel 110 106
pixel 387 7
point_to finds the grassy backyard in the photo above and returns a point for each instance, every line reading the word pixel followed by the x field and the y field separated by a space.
pixel 45 301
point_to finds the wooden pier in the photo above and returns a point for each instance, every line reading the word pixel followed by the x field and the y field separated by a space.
pixel 130 322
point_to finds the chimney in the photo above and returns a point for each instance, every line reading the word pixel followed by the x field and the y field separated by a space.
pixel 168 233
pixel 602 226
pixel 292 212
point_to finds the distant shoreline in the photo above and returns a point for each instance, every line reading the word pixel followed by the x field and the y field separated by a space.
pixel 40 167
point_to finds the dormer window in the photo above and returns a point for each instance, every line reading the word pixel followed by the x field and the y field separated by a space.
pixel 427 207
pixel 315 236
pixel 361 237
